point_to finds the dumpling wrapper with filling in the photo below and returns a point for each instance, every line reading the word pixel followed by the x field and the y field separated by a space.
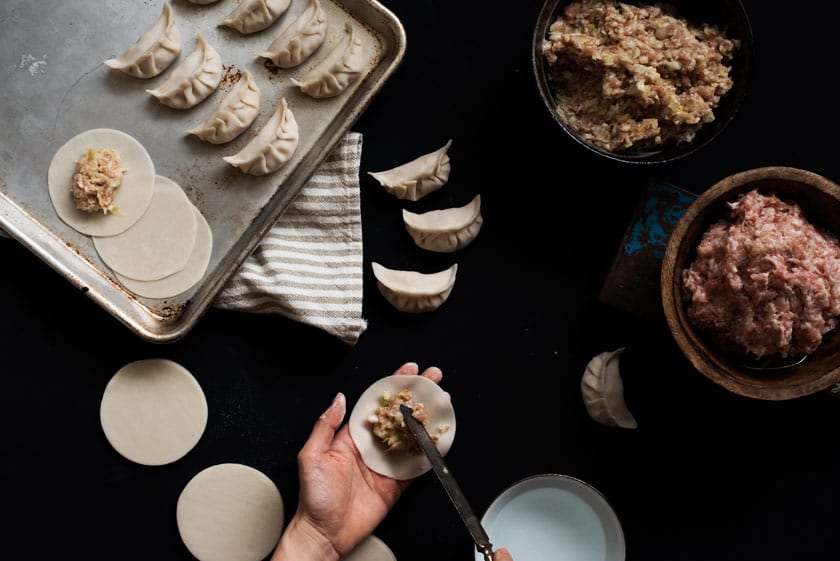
pixel 154 51
pixel 131 198
pixel 160 243
pixel 445 230
pixel 188 276
pixel 401 464
pixel 419 177
pixel 412 291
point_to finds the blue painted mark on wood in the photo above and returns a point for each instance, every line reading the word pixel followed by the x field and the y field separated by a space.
pixel 663 207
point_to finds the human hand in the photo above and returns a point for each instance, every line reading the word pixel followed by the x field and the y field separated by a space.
pixel 502 554
pixel 341 500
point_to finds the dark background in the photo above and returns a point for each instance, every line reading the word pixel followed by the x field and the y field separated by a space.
pixel 707 475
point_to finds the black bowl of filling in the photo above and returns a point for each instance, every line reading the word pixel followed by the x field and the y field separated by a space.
pixel 642 82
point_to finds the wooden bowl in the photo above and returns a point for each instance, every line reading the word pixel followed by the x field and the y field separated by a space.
pixel 819 199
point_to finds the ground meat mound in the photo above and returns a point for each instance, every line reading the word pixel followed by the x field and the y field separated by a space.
pixel 765 281
pixel 635 76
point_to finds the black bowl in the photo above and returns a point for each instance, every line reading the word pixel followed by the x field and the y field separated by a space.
pixel 729 15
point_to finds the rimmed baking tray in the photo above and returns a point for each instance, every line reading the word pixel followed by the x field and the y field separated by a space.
pixel 56 86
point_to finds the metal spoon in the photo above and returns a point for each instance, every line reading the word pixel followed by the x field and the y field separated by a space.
pixel 769 364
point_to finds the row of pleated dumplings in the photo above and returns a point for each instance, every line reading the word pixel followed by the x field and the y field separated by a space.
pixel 445 231
pixel 200 73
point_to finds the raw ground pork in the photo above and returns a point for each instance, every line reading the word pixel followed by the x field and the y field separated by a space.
pixel 765 281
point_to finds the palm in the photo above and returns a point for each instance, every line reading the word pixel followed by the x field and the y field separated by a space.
pixel 343 497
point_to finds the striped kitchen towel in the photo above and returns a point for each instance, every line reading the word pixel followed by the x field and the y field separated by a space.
pixel 309 267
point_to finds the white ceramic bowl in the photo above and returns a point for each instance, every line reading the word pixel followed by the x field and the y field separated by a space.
pixel 554 516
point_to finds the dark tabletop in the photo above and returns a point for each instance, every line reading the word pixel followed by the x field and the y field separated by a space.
pixel 707 475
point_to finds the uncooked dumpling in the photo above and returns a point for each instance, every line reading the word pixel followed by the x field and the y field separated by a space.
pixel 445 230
pixel 417 178
pixel 255 15
pixel 412 291
pixel 273 146
pixel 132 198
pixel 298 41
pixel 203 2
pixel 341 67
pixel 154 51
pixel 195 78
pixel 603 391
pixel 235 113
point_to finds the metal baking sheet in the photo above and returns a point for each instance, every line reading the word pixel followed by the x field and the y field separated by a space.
pixel 56 86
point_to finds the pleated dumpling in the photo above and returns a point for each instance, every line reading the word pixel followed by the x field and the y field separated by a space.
pixel 273 146
pixel 203 2
pixel 417 178
pixel 195 78
pixel 340 68
pixel 235 113
pixel 445 230
pixel 603 391
pixel 298 41
pixel 412 291
pixel 154 51
pixel 255 15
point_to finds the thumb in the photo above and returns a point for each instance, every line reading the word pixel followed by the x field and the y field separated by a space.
pixel 502 554
pixel 321 437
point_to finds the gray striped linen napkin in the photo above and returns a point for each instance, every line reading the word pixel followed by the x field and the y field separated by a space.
pixel 309 266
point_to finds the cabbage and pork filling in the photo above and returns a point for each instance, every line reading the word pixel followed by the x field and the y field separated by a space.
pixel 98 175
pixel 635 75
pixel 389 426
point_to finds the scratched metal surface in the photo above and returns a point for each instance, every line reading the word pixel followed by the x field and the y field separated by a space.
pixel 55 85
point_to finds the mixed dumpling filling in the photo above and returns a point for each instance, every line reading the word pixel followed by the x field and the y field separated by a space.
pixel 389 426
pixel 98 175
pixel 629 75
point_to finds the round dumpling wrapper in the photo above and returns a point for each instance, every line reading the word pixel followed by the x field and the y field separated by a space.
pixel 160 243
pixel 370 549
pixel 401 464
pixel 230 511
pixel 187 277
pixel 131 198
pixel 153 411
